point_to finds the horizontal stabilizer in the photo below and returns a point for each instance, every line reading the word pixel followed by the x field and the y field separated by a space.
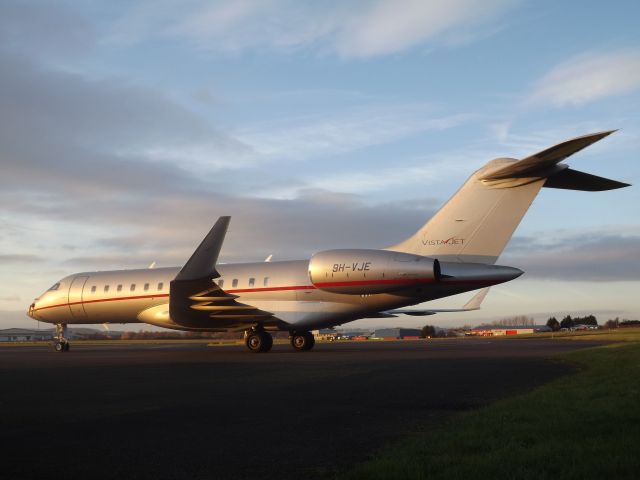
pixel 473 304
pixel 569 179
pixel 533 165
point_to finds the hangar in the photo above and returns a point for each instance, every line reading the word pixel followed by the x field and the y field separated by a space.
pixel 24 335
pixel 398 333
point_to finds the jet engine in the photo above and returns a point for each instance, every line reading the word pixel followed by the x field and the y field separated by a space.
pixel 359 272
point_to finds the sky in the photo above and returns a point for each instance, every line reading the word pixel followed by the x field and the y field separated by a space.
pixel 127 128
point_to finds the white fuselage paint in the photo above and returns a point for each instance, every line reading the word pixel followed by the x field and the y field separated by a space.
pixel 282 288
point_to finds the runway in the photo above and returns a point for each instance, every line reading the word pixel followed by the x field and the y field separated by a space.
pixel 192 411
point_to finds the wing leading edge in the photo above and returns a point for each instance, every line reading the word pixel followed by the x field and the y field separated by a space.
pixel 196 301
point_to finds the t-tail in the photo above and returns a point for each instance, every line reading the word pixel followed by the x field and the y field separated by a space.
pixel 478 221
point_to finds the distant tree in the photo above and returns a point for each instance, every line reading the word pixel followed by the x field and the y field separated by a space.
pixel 629 323
pixel 567 322
pixel 612 323
pixel 588 320
pixel 428 331
pixel 553 324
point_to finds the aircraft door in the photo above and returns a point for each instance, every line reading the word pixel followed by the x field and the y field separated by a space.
pixel 75 298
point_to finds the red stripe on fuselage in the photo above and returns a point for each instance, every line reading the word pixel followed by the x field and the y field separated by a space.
pixel 286 288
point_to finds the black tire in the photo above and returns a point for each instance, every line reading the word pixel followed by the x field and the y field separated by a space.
pixel 258 342
pixel 58 347
pixel 268 341
pixel 66 346
pixel 303 341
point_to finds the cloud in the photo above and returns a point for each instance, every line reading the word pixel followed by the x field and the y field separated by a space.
pixel 390 26
pixel 345 130
pixel 588 78
pixel 63 133
pixel 44 30
pixel 19 258
pixel 168 229
pixel 599 257
pixel 349 29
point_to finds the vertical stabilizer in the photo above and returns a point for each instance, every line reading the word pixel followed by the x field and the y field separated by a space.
pixel 478 221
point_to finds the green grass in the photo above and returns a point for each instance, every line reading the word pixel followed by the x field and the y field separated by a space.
pixel 582 426
pixel 630 334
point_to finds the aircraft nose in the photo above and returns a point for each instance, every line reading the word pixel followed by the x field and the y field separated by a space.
pixel 31 310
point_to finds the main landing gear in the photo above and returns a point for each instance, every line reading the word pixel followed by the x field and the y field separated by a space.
pixel 60 342
pixel 257 340
pixel 302 340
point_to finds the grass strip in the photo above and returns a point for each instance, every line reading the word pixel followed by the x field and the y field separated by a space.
pixel 582 426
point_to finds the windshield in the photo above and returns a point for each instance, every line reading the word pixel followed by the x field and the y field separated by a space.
pixel 55 287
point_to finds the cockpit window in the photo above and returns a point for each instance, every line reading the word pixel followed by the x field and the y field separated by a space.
pixel 55 287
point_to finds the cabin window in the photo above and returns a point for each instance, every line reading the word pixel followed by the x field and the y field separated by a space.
pixel 160 286
pixel 93 289
pixel 133 287
pixel 119 288
pixel 220 283
pixel 252 282
pixel 106 288
pixel 146 287
pixel 234 284
pixel 266 281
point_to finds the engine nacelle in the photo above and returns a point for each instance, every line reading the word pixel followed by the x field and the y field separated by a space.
pixel 359 272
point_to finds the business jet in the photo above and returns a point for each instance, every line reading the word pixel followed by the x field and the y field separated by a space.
pixel 454 252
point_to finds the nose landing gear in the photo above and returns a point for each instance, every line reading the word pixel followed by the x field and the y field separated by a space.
pixel 60 342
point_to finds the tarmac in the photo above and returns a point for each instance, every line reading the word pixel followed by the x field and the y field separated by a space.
pixel 192 411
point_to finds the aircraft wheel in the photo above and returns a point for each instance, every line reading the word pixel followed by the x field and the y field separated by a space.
pixel 268 341
pixel 66 346
pixel 303 341
pixel 258 342
pixel 59 347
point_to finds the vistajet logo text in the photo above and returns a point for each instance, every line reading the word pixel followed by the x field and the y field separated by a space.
pixel 448 241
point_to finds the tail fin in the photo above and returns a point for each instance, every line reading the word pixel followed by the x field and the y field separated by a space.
pixel 478 221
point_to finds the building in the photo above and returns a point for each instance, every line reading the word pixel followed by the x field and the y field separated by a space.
pixel 501 330
pixel 24 335
pixel 326 335
pixel 398 333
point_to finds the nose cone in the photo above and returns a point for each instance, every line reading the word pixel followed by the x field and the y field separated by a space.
pixel 31 310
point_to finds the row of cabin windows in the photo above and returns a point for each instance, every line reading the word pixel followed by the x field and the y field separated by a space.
pixel 132 287
pixel 252 282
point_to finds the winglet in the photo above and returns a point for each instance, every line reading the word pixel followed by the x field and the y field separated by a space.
pixel 476 300
pixel 203 261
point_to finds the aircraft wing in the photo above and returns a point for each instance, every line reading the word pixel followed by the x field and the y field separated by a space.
pixel 197 302
pixel 473 304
